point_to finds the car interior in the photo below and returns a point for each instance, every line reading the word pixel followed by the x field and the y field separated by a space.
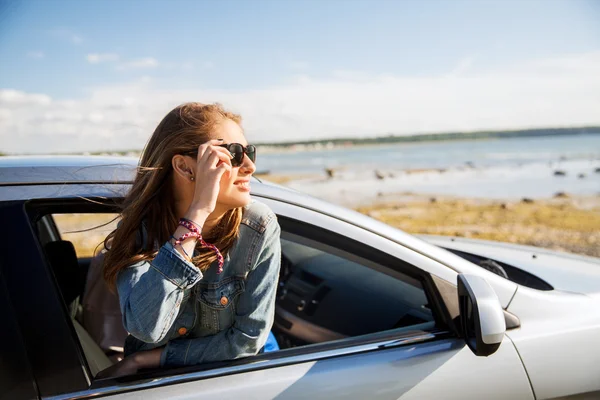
pixel 321 295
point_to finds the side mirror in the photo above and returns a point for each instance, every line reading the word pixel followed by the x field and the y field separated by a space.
pixel 482 318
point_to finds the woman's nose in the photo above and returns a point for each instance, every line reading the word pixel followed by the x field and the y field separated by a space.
pixel 247 166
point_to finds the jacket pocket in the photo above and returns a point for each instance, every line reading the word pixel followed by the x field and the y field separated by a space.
pixel 216 304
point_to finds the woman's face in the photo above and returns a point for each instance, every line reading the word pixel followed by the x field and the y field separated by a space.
pixel 235 187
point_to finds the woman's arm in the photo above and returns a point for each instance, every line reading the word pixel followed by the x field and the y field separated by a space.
pixel 150 293
pixel 255 312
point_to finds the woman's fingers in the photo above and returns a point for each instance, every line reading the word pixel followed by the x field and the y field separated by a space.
pixel 210 151
pixel 222 168
pixel 207 145
pixel 215 157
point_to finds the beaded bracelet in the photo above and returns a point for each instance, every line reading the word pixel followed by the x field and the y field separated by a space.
pixel 195 232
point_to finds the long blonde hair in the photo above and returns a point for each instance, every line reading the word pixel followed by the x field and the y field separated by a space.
pixel 151 199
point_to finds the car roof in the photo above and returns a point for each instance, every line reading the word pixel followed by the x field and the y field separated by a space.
pixel 44 170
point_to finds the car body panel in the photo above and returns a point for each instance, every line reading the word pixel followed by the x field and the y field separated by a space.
pixel 428 370
pixel 564 271
pixel 559 341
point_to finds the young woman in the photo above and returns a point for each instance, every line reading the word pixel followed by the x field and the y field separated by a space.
pixel 194 260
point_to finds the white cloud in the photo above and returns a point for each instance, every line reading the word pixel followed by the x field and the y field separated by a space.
pixel 139 63
pixel 562 91
pixel 16 99
pixel 36 55
pixel 97 58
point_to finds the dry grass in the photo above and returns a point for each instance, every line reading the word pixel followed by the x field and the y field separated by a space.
pixel 85 231
pixel 555 224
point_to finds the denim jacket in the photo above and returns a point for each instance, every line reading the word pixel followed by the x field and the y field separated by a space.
pixel 203 317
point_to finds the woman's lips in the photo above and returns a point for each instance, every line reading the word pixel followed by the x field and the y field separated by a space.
pixel 243 185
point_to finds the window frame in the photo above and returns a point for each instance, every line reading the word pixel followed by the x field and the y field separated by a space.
pixel 367 256
pixel 144 380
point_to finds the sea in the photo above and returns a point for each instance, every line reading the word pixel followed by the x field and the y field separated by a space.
pixel 532 167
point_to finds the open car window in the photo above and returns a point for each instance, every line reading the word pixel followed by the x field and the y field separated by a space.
pixel 331 294
pixel 342 297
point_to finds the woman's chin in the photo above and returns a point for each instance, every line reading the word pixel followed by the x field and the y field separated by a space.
pixel 240 200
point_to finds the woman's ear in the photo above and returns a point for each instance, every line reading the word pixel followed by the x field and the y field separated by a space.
pixel 182 166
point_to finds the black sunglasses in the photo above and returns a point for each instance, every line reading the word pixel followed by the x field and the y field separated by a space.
pixel 237 150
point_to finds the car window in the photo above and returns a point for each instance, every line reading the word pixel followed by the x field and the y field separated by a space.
pixel 75 256
pixel 325 296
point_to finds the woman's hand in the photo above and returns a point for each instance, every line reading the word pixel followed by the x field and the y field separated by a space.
pixel 212 162
pixel 132 363
pixel 126 366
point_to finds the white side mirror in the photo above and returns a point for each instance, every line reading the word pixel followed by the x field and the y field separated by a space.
pixel 482 318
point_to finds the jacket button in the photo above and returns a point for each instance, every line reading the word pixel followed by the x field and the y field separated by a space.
pixel 224 301
pixel 182 331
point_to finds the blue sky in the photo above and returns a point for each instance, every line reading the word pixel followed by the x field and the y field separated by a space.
pixel 261 57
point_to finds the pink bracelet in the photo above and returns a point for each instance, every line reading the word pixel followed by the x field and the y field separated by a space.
pixel 195 232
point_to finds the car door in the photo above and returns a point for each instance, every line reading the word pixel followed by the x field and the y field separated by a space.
pixel 407 363
pixel 16 379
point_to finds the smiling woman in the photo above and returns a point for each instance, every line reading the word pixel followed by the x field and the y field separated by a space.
pixel 194 260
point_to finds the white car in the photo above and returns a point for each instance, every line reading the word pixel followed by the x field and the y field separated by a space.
pixel 364 311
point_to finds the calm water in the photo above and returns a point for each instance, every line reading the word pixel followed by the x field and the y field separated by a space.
pixel 506 168
pixel 481 153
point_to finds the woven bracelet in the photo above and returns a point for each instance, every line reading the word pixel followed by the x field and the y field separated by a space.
pixel 182 248
pixel 195 232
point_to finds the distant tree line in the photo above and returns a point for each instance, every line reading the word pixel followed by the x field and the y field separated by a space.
pixel 443 136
